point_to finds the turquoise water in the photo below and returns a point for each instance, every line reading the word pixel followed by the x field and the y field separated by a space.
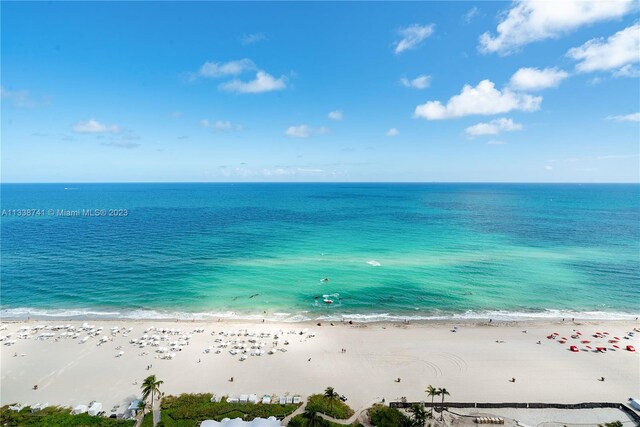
pixel 390 251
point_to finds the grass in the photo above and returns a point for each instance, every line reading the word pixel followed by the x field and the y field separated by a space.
pixel 384 416
pixel 54 416
pixel 336 409
pixel 188 410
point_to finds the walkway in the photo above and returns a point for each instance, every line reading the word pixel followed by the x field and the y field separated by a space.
pixel 360 415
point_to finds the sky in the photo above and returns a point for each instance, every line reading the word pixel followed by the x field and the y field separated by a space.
pixel 529 91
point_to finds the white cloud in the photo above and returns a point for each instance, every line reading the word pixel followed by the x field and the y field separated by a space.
pixel 536 79
pixel 471 13
pixel 305 131
pixel 274 172
pixel 594 81
pixel 483 99
pixel 336 115
pixel 534 20
pixel 393 132
pixel 548 167
pixel 247 39
pixel 634 117
pixel 420 82
pixel 216 69
pixel 176 115
pixel 616 52
pixel 94 126
pixel 412 36
pixel 121 144
pixel 301 131
pixel 220 125
pixel 263 83
pixel 618 156
pixel 494 127
pixel 627 71
pixel 495 142
pixel 21 98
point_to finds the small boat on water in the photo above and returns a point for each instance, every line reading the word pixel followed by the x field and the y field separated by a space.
pixel 328 301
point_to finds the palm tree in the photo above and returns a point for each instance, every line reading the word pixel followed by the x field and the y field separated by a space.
pixel 443 392
pixel 150 387
pixel 313 419
pixel 432 392
pixel 142 406
pixel 418 415
pixel 330 394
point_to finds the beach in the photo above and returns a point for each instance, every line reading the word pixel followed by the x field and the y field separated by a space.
pixel 474 361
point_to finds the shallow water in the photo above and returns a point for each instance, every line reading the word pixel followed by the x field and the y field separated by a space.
pixel 390 251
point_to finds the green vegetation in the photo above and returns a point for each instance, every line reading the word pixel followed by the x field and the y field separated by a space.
pixel 334 408
pixel 432 392
pixel 54 416
pixel 303 421
pixel 443 392
pixel 150 387
pixel 188 410
pixel 384 416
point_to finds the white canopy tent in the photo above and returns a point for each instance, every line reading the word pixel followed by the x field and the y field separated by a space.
pixel 80 409
pixel 95 408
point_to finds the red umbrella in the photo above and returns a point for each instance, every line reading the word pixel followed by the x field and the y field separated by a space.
pixel 585 341
pixel 630 348
pixel 574 348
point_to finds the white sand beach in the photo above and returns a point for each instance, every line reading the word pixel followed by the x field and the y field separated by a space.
pixel 475 363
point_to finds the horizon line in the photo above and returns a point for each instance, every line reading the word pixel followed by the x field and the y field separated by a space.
pixel 324 182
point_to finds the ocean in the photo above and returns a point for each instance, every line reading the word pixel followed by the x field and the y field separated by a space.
pixel 283 251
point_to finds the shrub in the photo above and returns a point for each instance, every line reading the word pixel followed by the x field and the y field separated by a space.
pixel 336 409
pixel 384 416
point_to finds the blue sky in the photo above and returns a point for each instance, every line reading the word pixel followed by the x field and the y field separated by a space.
pixel 430 91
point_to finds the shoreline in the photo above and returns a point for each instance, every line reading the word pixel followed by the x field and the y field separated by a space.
pixel 547 315
pixel 474 360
